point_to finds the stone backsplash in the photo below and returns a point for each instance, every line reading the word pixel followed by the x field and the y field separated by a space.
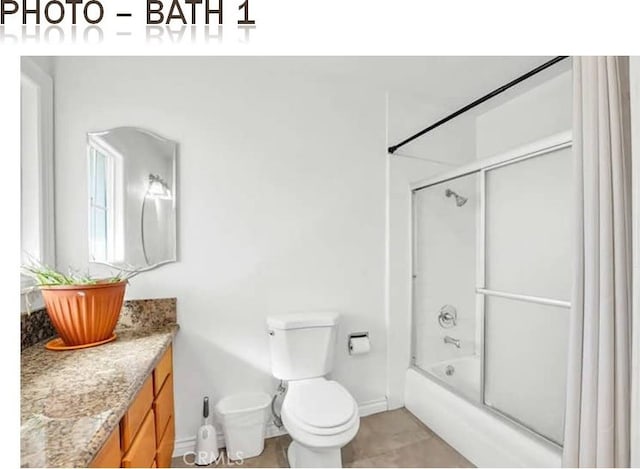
pixel 136 314
pixel 34 327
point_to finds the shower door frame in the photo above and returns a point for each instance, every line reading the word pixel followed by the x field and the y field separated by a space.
pixel 540 147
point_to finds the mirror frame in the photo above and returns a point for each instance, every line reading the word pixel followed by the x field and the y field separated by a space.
pixel 174 181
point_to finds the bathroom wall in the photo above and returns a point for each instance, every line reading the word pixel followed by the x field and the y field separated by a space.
pixel 46 63
pixel 281 207
pixel 451 145
pixel 537 113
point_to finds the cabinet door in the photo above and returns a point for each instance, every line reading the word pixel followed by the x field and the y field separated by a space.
pixel 109 455
pixel 163 407
pixel 162 371
pixel 143 448
pixel 134 417
pixel 165 447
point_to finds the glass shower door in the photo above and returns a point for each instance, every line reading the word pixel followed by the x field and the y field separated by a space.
pixel 446 341
pixel 528 216
pixel 492 282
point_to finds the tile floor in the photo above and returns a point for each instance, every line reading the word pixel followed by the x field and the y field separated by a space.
pixel 388 439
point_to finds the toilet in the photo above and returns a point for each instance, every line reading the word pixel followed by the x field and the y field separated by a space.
pixel 319 414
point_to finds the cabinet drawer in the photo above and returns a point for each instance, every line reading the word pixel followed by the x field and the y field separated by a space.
pixel 165 447
pixel 143 448
pixel 163 407
pixel 109 455
pixel 163 369
pixel 132 420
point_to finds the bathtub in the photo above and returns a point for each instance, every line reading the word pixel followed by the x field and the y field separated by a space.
pixel 462 374
pixel 480 435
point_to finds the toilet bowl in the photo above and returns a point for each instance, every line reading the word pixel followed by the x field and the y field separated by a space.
pixel 321 417
pixel 319 414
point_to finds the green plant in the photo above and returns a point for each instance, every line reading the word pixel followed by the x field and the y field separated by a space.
pixel 46 276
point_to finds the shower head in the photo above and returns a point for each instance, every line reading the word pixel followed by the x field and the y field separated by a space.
pixel 460 201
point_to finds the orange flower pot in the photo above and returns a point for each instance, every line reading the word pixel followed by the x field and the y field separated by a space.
pixel 84 315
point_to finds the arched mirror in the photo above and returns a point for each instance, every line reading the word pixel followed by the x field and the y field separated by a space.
pixel 132 198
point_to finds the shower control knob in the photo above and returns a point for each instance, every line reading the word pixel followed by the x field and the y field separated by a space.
pixel 447 316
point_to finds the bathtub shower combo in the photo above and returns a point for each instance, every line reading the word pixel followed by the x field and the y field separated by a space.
pixel 491 289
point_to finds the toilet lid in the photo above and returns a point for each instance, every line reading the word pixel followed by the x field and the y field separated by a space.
pixel 321 403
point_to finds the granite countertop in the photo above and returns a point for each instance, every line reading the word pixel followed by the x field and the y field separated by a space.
pixel 71 401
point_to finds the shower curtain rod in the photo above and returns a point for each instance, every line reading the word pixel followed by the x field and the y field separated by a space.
pixel 497 91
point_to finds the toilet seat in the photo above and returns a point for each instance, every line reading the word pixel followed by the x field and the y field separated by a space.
pixel 320 413
pixel 320 406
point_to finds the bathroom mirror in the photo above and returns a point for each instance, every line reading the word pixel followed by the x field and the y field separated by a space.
pixel 132 198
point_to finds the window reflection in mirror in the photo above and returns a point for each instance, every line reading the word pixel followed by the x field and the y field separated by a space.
pixel 106 209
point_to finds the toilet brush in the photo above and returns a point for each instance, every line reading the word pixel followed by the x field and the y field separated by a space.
pixel 207 439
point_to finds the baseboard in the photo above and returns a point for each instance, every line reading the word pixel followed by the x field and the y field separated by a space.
pixel 373 407
pixel 188 445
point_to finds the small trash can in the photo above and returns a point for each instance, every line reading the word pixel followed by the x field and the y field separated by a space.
pixel 244 423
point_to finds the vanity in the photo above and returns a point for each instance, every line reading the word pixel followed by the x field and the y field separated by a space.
pixel 145 435
pixel 106 406
pixel 111 405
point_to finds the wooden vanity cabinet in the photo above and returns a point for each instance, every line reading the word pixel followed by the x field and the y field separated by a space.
pixel 146 434
pixel 133 419
pixel 110 454
pixel 163 409
pixel 142 450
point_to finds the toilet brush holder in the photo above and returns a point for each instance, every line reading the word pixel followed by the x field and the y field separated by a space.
pixel 207 439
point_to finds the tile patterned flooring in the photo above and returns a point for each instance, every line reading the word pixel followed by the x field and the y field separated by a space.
pixel 388 439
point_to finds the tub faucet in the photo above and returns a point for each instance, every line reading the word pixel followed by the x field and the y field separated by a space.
pixel 451 340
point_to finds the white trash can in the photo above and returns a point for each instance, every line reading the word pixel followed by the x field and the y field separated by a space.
pixel 244 423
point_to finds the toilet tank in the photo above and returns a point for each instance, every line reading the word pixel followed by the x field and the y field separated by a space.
pixel 302 344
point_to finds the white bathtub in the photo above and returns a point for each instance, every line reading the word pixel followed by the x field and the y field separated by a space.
pixel 463 376
pixel 478 434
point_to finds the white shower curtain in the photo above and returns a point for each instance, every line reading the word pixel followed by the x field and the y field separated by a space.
pixel 598 381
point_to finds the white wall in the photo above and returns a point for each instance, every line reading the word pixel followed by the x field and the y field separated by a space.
pixel 30 228
pixel 46 63
pixel 281 207
pixel 452 144
pixel 36 170
pixel 535 114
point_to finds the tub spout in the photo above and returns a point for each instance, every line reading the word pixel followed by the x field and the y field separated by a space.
pixel 451 340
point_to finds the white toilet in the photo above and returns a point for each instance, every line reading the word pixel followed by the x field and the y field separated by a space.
pixel 320 415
